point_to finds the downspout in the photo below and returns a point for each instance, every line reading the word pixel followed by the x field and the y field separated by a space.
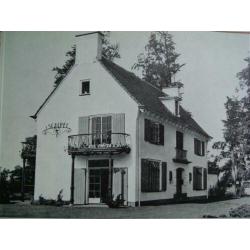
pixel 138 142
pixel 138 156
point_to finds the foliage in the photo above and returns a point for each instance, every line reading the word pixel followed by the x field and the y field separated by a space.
pixel 51 202
pixel 4 186
pixel 159 62
pixel 117 202
pixel 109 50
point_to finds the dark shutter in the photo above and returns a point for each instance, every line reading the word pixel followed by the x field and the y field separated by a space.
pixel 144 175
pixel 147 130
pixel 161 134
pixel 194 179
pixel 203 148
pixel 205 179
pixel 164 176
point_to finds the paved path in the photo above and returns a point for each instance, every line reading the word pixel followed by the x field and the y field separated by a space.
pixel 189 210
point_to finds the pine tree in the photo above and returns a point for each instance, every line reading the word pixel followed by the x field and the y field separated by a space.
pixel 159 62
pixel 109 51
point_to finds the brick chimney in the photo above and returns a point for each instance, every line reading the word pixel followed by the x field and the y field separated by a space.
pixel 88 47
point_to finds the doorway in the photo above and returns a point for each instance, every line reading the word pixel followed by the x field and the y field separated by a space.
pixel 179 181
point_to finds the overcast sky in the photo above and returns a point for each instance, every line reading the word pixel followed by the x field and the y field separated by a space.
pixel 212 61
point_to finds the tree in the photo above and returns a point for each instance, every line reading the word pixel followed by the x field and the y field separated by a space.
pixel 159 62
pixel 109 51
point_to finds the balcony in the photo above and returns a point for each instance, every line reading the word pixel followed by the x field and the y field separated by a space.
pixel 99 144
pixel 181 156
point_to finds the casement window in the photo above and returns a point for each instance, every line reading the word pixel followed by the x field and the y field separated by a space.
pixel 199 147
pixel 179 140
pixel 85 87
pixel 197 178
pixel 101 130
pixel 153 179
pixel 154 132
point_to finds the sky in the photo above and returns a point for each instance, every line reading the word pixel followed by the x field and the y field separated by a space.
pixel 211 59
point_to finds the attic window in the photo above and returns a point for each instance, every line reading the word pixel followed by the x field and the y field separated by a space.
pixel 85 87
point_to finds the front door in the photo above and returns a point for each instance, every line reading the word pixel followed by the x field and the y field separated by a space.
pixel 98 185
pixel 179 181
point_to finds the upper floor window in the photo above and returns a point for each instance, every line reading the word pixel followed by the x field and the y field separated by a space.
pixel 199 147
pixel 85 87
pixel 154 132
pixel 179 140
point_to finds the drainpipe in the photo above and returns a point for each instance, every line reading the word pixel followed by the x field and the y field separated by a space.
pixel 140 110
pixel 138 156
pixel 72 180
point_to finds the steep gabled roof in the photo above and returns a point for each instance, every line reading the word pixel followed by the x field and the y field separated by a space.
pixel 145 94
pixel 148 96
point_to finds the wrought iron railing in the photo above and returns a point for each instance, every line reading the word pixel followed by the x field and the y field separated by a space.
pixel 99 143
pixel 181 156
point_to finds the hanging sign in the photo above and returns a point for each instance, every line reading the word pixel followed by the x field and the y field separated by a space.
pixel 57 128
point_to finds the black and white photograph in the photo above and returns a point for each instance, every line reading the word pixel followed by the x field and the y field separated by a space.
pixel 125 125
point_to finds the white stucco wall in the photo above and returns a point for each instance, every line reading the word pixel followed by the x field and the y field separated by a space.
pixel 166 153
pixel 53 166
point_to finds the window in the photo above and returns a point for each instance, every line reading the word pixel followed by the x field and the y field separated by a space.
pixel 164 176
pixel 101 130
pixel 199 147
pixel 197 181
pixel 154 132
pixel 179 140
pixel 150 176
pixel 85 88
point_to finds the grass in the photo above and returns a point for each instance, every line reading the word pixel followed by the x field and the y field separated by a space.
pixel 187 210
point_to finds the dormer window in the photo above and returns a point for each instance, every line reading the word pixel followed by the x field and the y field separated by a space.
pixel 85 87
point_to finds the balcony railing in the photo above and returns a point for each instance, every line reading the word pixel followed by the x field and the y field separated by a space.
pixel 181 156
pixel 99 143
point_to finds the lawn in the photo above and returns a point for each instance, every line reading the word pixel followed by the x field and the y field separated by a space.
pixel 188 210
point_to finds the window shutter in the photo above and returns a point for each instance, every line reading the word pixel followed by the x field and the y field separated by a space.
pixel 203 148
pixel 83 125
pixel 164 176
pixel 161 134
pixel 118 129
pixel 147 130
pixel 205 179
pixel 194 179
pixel 144 175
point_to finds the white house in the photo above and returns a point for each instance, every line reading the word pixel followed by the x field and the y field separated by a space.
pixel 105 132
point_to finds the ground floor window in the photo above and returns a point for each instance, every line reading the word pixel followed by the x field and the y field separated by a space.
pixel 153 176
pixel 199 173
